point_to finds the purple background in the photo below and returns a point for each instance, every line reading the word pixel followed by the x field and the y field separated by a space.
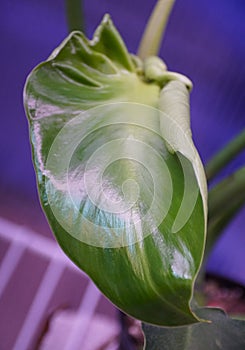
pixel 205 41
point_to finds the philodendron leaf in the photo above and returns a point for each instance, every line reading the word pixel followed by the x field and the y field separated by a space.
pixel 119 178
pixel 222 332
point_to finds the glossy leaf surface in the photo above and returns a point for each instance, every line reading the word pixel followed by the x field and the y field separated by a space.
pixel 119 178
pixel 222 332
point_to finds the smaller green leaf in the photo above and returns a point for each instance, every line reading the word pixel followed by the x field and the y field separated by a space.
pixel 222 332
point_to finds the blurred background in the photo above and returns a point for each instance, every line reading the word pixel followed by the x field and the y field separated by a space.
pixel 205 41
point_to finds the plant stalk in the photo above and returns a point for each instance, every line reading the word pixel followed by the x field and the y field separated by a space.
pixel 155 28
pixel 219 222
pixel 226 192
pixel 225 200
pixel 74 15
pixel 222 158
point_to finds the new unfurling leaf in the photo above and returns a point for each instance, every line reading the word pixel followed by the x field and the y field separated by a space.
pixel 119 178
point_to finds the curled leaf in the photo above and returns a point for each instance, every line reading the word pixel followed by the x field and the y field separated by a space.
pixel 119 178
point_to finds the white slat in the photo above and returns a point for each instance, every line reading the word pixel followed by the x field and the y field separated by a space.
pixel 38 307
pixel 9 264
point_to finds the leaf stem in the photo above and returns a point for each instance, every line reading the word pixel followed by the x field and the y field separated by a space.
pixel 219 222
pixel 226 192
pixel 74 15
pixel 153 33
pixel 222 158
pixel 225 200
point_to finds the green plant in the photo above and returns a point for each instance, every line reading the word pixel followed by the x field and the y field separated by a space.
pixel 122 184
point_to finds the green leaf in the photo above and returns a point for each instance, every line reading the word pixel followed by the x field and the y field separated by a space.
pixel 222 332
pixel 119 178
